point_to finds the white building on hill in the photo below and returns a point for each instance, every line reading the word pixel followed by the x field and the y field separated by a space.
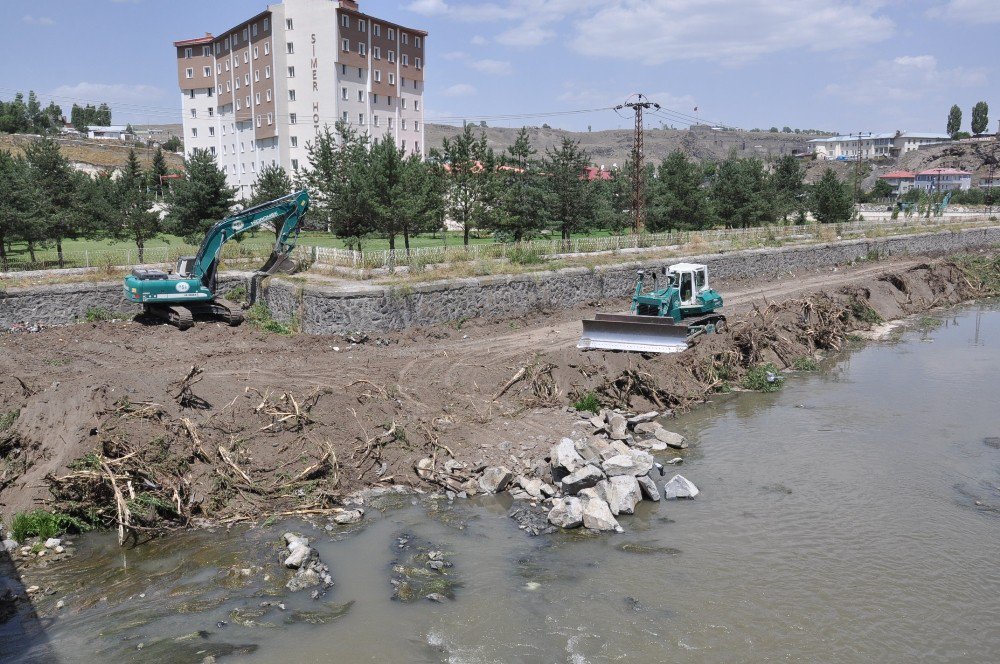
pixel 887 145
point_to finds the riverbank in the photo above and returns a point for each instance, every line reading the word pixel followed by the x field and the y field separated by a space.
pixel 125 424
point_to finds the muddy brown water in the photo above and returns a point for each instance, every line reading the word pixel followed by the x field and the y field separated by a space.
pixel 852 517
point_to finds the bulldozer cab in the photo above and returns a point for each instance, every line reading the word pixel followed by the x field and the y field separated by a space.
pixel 691 279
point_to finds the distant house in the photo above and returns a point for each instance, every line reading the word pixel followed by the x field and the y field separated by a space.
pixel 943 179
pixel 900 181
pixel 990 182
pixel 592 173
pixel 872 146
pixel 112 133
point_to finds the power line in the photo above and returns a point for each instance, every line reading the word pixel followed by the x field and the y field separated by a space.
pixel 640 104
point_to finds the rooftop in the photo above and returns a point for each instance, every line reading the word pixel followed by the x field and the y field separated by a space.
pixel 943 171
pixel 898 175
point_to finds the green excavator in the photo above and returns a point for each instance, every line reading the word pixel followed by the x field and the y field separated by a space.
pixel 190 292
pixel 662 320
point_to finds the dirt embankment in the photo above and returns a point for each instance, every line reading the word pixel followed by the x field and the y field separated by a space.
pixel 124 422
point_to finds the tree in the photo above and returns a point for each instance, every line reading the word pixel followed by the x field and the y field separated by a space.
pixel 523 202
pixel 385 182
pixel 832 201
pixel 421 202
pixel 157 170
pixel 742 193
pixel 201 198
pixel 272 182
pixel 172 144
pixel 980 118
pixel 54 178
pixel 954 120
pixel 788 181
pixel 882 189
pixel 471 167
pixel 135 219
pixel 678 199
pixel 19 200
pixel 574 199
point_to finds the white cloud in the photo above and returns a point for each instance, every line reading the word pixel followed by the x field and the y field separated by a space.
pixel 968 11
pixel 478 13
pixel 907 78
pixel 478 40
pixel 494 67
pixel 525 35
pixel 454 55
pixel 37 20
pixel 459 90
pixel 428 7
pixel 728 31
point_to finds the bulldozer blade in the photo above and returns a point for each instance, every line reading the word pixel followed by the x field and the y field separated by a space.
pixel 637 334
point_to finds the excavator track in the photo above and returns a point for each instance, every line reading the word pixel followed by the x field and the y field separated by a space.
pixel 177 315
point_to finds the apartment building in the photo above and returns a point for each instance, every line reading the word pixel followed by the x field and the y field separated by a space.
pixel 257 93
pixel 873 146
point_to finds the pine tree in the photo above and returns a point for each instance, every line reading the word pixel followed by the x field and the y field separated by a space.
pixel 157 170
pixel 788 182
pixel 980 118
pixel 678 200
pixel 136 220
pixel 954 120
pixel 523 198
pixel 272 182
pixel 471 167
pixel 742 193
pixel 19 196
pixel 575 200
pixel 385 183
pixel 422 198
pixel 832 201
pixel 54 178
pixel 201 198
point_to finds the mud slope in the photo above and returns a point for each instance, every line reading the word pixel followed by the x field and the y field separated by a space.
pixel 144 423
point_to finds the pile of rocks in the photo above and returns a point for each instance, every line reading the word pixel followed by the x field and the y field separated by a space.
pixel 591 481
pixel 310 571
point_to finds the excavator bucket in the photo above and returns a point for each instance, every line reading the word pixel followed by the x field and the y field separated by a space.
pixel 277 262
pixel 638 334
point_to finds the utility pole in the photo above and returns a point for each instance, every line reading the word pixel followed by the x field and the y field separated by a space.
pixel 639 104
pixel 857 168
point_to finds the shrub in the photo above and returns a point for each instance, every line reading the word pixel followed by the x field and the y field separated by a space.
pixel 44 525
pixel 260 317
pixel 97 314
pixel 525 256
pixel 763 378
pixel 805 364
pixel 864 313
pixel 237 294
pixel 588 402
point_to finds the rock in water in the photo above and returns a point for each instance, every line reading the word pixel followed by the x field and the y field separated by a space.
pixel 621 464
pixel 299 555
pixel 642 418
pixel 564 456
pixel 618 427
pixel 349 516
pixel 648 487
pixel 643 462
pixel 583 478
pixel 495 479
pixel 567 512
pixel 533 487
pixel 597 516
pixel 674 440
pixel 625 493
pixel 679 487
pixel 10 545
pixel 52 542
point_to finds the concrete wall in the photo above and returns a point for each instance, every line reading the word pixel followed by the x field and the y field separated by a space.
pixel 326 310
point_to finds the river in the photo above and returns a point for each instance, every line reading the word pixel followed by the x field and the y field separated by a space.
pixel 852 517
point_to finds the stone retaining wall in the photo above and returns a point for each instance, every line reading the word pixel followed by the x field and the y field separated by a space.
pixel 366 308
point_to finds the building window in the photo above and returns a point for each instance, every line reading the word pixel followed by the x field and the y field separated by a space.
pixel 212 150
pixel 189 72
pixel 360 73
pixel 225 150
pixel 267 24
pixel 295 164
pixel 390 122
pixel 404 38
pixel 362 48
pixel 246 34
pixel 378 76
pixel 236 62
pixel 268 96
pixel 361 118
pixel 392 34
pixel 229 86
pixel 361 95
pixel 344 117
pixel 187 53
pixel 388 100
pixel 376 52
pixel 267 48
pixel 211 112
pixel 207 71
pixel 392 78
pixel 416 146
pixel 191 94
pixel 289 24
pixel 248 101
pixel 257 99
pixel 256 76
pixel 405 59
pixel 211 131
pixel 258 120
pixel 194 132
pixel 402 123
pixel 343 94
pixel 218 68
pixel 246 57
pixel 345 20
pixel 402 103
pixel 256 52
pixel 291 72
pixel 254 29
pixel 375 120
pixel 416 42
pixel 343 70
pixel 267 71
pixel 293 118
pixel 238 106
pixel 206 51
pixel 270 119
pixel 361 25
pixel 291 95
pixel 391 55
pixel 194 112
pixel 416 104
pixel 416 126
pixel 416 62
pixel 218 49
pixel 345 45
pixel 377 30
pixel 403 144
pixel 210 92
pixel 227 65
pixel 293 141
pixel 375 98
pixel 291 48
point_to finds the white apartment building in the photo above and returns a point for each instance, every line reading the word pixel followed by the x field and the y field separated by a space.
pixel 259 92
pixel 872 146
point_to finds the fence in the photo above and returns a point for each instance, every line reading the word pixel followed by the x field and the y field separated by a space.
pixel 521 252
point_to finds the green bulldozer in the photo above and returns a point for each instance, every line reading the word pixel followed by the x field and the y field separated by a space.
pixel 662 320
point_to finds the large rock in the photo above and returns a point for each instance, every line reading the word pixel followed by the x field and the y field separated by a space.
pixel 584 478
pixel 533 486
pixel 625 494
pixel 642 418
pixel 679 487
pixel 348 517
pixel 595 450
pixel 10 545
pixel 617 427
pixel 495 479
pixel 565 456
pixel 299 554
pixel 643 462
pixel 597 516
pixel 674 440
pixel 567 512
pixel 648 487
pixel 647 427
pixel 652 444
pixel 621 464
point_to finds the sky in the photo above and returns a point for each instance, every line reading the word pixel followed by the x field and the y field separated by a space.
pixel 836 65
